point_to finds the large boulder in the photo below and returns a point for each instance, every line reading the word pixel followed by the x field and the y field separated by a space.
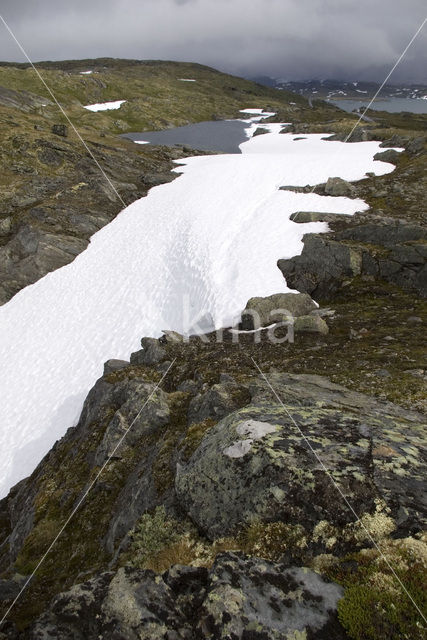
pixel 339 187
pixel 261 312
pixel 391 155
pixel 387 249
pixel 311 324
pixel 239 598
pixel 294 464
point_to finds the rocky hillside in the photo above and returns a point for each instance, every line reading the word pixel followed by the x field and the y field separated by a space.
pixel 255 489
pixel 53 194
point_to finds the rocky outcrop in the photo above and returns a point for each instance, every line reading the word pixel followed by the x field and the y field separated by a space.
pixel 268 462
pixel 57 201
pixel 389 249
pixel 262 312
pixel 239 598
pixel 339 187
pixel 319 216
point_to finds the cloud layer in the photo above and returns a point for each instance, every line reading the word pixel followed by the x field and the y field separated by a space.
pixel 293 39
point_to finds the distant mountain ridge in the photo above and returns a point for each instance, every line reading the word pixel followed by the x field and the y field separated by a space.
pixel 337 89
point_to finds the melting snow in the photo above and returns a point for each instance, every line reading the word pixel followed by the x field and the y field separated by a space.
pixel 187 80
pixel 85 73
pixel 105 106
pixel 199 246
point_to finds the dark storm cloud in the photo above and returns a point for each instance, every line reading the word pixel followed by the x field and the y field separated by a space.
pixel 284 38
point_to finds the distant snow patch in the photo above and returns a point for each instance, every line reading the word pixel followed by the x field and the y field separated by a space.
pixel 105 106
pixel 85 73
pixel 187 80
pixel 141 142
pixel 259 112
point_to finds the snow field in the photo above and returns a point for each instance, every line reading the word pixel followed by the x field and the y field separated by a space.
pixel 200 246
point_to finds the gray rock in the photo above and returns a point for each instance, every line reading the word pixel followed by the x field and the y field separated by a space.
pixel 391 155
pixel 9 589
pixel 416 145
pixel 319 216
pixel 114 365
pixel 188 386
pixel 151 353
pixel 260 131
pixel 322 266
pixel 5 226
pixel 217 402
pixel 143 410
pixel 339 187
pixel 171 337
pixel 239 598
pixel 326 262
pixel 60 130
pixel 261 312
pixel 255 463
pixel 311 324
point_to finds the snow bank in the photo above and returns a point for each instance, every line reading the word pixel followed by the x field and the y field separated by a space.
pixel 199 246
pixel 105 106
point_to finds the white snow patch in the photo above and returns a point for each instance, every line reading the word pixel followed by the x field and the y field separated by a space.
pixel 105 106
pixel 141 142
pixel 187 80
pixel 260 112
pixel 85 73
pixel 210 240
pixel 255 430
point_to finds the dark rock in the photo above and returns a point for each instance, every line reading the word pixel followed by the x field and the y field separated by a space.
pixel 217 402
pixel 151 353
pixel 391 155
pixel 307 189
pixel 114 365
pixel 322 266
pixel 326 262
pixel 319 216
pixel 135 418
pixel 238 598
pixel 60 130
pixel 416 145
pixel 260 131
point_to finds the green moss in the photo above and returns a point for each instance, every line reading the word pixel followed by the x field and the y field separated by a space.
pixel 376 604
pixel 272 540
pixel 194 436
pixel 152 533
pixel 173 433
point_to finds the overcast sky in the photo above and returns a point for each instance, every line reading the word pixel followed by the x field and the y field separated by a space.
pixel 292 39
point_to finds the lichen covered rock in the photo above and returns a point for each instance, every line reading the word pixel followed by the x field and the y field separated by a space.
pixel 295 464
pixel 238 598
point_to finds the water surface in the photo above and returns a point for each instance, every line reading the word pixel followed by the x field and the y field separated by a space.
pixel 224 136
